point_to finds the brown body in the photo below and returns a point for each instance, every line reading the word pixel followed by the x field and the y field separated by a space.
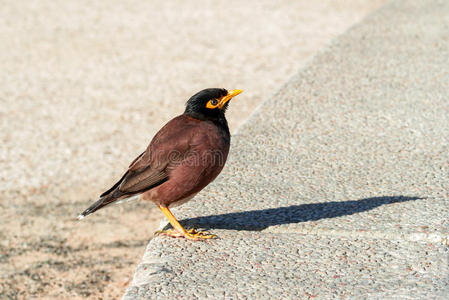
pixel 183 158
pixel 193 161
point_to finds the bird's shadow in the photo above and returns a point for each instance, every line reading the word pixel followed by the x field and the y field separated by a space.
pixel 256 220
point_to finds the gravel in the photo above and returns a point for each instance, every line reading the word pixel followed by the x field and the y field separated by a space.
pixel 289 266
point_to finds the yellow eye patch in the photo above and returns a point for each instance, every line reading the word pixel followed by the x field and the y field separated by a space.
pixel 212 103
pixel 221 102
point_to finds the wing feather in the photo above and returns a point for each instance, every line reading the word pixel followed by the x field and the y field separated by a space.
pixel 142 180
pixel 153 166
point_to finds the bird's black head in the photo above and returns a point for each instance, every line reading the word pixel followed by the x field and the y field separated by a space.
pixel 210 104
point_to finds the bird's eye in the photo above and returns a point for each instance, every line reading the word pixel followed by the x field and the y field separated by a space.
pixel 212 104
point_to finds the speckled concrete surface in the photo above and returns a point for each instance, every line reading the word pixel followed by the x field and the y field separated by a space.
pixel 289 266
pixel 337 186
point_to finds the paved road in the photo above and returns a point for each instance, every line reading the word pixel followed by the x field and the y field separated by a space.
pixel 337 187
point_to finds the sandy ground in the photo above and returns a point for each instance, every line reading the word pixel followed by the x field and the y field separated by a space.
pixel 85 85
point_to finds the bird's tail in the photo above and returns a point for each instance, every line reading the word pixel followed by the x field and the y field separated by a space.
pixel 102 202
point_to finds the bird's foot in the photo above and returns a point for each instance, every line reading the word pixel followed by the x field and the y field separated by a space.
pixel 191 234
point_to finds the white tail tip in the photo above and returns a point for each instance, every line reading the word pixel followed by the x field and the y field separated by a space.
pixel 80 217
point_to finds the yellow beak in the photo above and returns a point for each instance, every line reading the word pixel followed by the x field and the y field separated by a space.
pixel 229 96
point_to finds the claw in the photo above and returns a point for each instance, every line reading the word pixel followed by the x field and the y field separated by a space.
pixel 194 234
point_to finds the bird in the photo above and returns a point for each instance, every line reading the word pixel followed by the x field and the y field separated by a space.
pixel 184 156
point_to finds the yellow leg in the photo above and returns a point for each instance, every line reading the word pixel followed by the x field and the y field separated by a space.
pixel 179 231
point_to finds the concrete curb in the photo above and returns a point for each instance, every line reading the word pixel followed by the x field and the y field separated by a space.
pixel 337 186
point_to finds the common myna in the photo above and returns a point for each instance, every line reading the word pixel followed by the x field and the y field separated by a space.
pixel 184 157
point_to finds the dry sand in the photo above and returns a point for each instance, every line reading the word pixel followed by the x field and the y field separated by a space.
pixel 84 85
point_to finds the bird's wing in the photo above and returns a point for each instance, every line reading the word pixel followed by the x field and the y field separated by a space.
pixel 144 178
pixel 137 179
pixel 152 167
